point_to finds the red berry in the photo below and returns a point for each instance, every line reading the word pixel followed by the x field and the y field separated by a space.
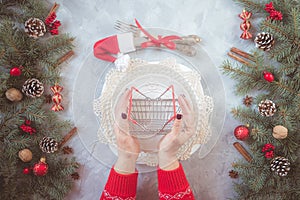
pixel 268 76
pixel 26 170
pixel 16 71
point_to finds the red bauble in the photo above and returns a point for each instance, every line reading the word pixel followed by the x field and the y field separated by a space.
pixel 241 132
pixel 26 170
pixel 16 71
pixel 268 76
pixel 40 168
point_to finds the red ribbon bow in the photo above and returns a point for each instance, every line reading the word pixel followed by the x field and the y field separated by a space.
pixel 165 41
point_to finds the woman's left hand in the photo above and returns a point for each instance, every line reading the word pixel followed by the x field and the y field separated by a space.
pixel 128 146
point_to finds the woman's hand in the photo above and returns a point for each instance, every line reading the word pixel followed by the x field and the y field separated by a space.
pixel 170 143
pixel 128 146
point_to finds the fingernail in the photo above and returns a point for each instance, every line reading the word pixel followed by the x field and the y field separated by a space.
pixel 124 116
pixel 179 116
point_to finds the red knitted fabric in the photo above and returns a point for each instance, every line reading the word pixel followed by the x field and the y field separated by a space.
pixel 120 186
pixel 173 184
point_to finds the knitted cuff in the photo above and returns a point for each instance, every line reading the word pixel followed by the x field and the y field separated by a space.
pixel 172 181
pixel 122 185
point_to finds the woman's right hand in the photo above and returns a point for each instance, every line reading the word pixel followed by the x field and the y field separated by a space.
pixel 170 143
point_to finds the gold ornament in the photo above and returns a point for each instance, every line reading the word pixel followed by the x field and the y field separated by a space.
pixel 280 132
pixel 14 94
pixel 25 155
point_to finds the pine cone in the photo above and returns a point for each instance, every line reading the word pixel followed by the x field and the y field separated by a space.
pixel 280 165
pixel 35 27
pixel 48 145
pixel 264 41
pixel 33 88
pixel 267 108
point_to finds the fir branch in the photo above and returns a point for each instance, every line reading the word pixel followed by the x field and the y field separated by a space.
pixel 250 5
pixel 286 88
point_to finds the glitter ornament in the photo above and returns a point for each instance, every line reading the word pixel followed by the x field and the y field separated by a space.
pixel 241 132
pixel 40 168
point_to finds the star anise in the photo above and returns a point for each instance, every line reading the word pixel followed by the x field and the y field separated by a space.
pixel 67 150
pixel 75 176
pixel 233 174
pixel 247 101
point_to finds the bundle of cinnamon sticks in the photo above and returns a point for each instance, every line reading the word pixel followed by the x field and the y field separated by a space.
pixel 240 56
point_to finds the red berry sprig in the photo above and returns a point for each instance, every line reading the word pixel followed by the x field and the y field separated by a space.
pixel 27 128
pixel 274 14
pixel 52 23
pixel 268 149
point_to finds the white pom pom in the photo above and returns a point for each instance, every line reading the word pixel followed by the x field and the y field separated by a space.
pixel 122 62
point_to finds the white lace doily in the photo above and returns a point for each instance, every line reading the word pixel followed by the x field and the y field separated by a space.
pixel 151 76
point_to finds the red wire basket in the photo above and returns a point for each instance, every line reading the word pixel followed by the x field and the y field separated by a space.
pixel 152 116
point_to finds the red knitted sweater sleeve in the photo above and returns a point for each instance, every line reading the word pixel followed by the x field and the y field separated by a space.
pixel 173 185
pixel 120 186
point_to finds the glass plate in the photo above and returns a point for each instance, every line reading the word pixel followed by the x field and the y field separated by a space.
pixel 90 81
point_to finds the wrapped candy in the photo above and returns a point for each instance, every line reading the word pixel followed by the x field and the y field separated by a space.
pixel 57 98
pixel 245 25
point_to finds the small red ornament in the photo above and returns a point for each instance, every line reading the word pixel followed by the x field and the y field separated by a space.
pixel 26 170
pixel 268 76
pixel 241 132
pixel 15 71
pixel 40 168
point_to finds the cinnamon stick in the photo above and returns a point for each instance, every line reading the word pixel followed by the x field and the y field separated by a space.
pixel 68 136
pixel 53 9
pixel 241 60
pixel 242 53
pixel 242 151
pixel 65 57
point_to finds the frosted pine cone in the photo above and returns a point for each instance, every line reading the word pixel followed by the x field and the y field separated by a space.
pixel 33 88
pixel 267 108
pixel 48 145
pixel 35 27
pixel 280 165
pixel 264 41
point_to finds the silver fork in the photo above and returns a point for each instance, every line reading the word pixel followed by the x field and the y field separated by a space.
pixel 183 45
pixel 125 27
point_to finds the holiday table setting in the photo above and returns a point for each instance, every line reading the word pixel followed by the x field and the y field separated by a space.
pixel 65 64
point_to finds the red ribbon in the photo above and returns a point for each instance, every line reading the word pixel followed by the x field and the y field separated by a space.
pixel 165 41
